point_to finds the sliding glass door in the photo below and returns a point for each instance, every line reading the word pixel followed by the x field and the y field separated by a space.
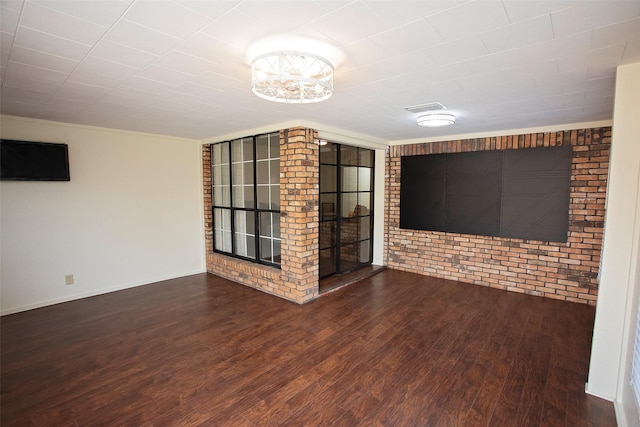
pixel 346 208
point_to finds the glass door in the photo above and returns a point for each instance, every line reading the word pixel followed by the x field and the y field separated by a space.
pixel 346 203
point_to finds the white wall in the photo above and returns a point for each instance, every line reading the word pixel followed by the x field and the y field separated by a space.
pixel 379 201
pixel 131 215
pixel 619 284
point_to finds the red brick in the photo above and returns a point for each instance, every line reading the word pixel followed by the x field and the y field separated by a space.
pixel 515 269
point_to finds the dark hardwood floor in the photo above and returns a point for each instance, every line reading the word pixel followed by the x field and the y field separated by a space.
pixel 337 281
pixel 395 349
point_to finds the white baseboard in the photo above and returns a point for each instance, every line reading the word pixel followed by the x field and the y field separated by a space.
pixel 94 293
pixel 621 416
pixel 601 396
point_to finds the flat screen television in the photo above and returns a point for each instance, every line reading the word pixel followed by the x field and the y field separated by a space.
pixel 33 161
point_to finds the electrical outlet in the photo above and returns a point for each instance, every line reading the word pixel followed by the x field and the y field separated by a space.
pixel 68 279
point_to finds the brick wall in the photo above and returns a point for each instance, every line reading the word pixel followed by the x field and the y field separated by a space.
pixel 566 271
pixel 297 280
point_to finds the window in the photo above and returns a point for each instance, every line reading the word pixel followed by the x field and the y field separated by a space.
pixel 346 201
pixel 246 198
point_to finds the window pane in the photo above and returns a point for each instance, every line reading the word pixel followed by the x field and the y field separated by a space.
pixel 251 223
pixel 241 245
pixel 277 259
pixel 349 202
pixel 270 250
pixel 266 249
pixel 264 199
pixel 366 157
pixel 248 196
pixel 269 224
pixel 238 196
pixel 364 179
pixel 247 149
pixel 327 234
pixel 223 241
pixel 328 178
pixel 275 218
pixel 275 197
pixel 349 230
pixel 236 150
pixel 274 171
pixel 243 173
pixel 243 196
pixel 365 251
pixel 262 147
pixel 221 196
pixel 265 224
pixel 222 219
pixel 221 175
pixel 327 262
pixel 242 150
pixel 349 256
pixel 329 153
pixel 263 172
pixel 222 229
pixel 349 178
pixel 242 179
pixel 245 240
pixel 274 145
pixel 364 230
pixel 364 201
pixel 244 222
pixel 327 206
pixel 220 153
pixel 348 155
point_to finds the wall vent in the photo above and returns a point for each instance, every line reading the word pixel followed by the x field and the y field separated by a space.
pixel 423 108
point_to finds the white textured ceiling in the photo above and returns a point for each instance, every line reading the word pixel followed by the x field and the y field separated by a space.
pixel 180 67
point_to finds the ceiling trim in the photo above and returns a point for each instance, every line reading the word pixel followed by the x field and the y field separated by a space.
pixel 341 136
pixel 324 132
pixel 332 134
pixel 541 129
pixel 92 128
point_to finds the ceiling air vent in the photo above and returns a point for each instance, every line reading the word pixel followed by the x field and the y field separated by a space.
pixel 423 108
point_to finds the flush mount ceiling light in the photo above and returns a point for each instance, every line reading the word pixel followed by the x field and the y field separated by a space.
pixel 436 119
pixel 291 77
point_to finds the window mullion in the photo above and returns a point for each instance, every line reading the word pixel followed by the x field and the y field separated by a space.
pixel 338 204
pixel 231 201
pixel 256 216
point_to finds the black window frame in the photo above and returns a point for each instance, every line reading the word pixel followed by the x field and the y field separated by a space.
pixel 256 209
pixel 339 218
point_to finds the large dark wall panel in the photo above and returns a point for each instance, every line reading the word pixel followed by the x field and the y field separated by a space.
pixel 422 202
pixel 473 193
pixel 535 193
pixel 505 193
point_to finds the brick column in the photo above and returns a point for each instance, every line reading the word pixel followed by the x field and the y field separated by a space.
pixel 206 182
pixel 299 222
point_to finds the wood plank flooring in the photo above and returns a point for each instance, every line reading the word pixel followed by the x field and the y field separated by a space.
pixel 337 281
pixel 395 349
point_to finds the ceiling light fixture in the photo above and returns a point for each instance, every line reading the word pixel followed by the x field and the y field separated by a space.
pixel 291 77
pixel 436 120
